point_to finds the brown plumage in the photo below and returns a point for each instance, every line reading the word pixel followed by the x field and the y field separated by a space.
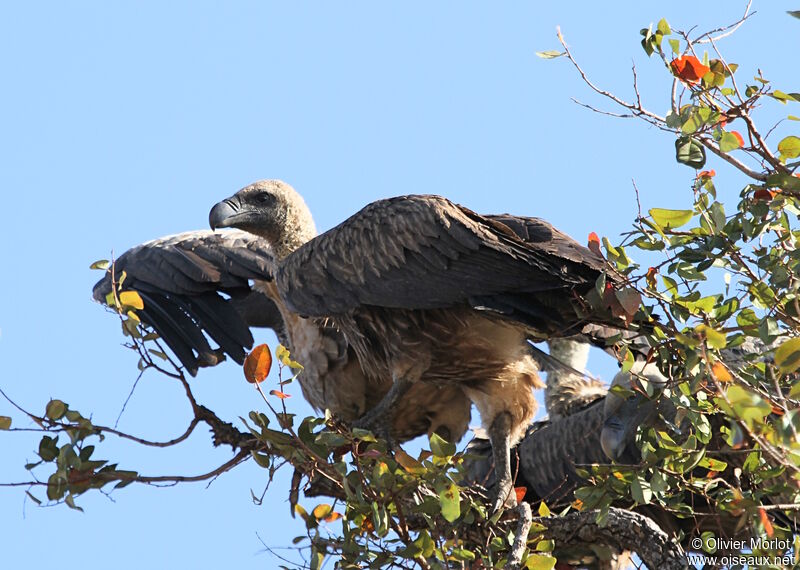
pixel 202 285
pixel 427 291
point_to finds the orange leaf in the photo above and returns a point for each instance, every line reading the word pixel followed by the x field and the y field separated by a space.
pixel 520 493
pixel 721 373
pixel 766 522
pixel 707 174
pixel 257 364
pixel 334 516
pixel 689 68
pixel 280 395
pixel 738 138
pixel 594 244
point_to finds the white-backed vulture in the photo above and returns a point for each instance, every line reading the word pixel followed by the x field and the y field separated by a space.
pixel 218 284
pixel 428 291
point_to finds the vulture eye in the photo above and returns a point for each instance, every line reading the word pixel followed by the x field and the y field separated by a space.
pixel 264 197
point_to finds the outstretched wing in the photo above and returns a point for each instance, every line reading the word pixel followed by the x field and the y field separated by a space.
pixel 424 252
pixel 195 284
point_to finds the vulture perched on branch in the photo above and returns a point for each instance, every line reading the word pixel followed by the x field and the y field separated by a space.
pixel 427 291
pixel 203 284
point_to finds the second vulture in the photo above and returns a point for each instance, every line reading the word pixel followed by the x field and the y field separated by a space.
pixel 427 291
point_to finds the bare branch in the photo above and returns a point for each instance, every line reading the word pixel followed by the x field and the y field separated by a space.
pixel 622 530
pixel 726 30
pixel 520 536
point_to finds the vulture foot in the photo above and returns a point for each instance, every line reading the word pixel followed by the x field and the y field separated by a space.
pixel 379 419
pixel 499 436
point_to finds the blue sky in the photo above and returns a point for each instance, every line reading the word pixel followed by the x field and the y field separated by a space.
pixel 125 122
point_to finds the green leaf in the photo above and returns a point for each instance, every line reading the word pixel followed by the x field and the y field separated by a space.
pixel 549 54
pixel 795 13
pixel 709 542
pixel 714 338
pixel 670 218
pixel 728 142
pixel 540 562
pixel 34 499
pixel 5 422
pixel 462 554
pixel 450 501
pixel 789 147
pixel 663 27
pixel 787 356
pixel 747 318
pixel 640 490
pixel 442 447
pixel 675 45
pixel 55 409
pixel 690 152
pixel 100 264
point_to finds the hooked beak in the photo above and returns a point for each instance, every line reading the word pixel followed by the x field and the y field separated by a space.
pixel 613 438
pixel 223 214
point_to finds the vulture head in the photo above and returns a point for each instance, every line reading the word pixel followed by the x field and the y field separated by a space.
pixel 623 416
pixel 270 209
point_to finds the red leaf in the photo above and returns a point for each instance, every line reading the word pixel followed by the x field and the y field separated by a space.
pixel 257 364
pixel 764 194
pixel 280 395
pixel 520 493
pixel 594 244
pixel 689 68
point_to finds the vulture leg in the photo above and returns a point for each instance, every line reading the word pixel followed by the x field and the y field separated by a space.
pixel 379 418
pixel 500 438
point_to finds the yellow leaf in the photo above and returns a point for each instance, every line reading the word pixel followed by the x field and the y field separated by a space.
pixel 301 511
pixel 670 218
pixel 787 355
pixel 257 364
pixel 131 299
pixel 543 510
pixel 321 511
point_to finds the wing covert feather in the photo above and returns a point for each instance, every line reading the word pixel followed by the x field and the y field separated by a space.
pixel 425 252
